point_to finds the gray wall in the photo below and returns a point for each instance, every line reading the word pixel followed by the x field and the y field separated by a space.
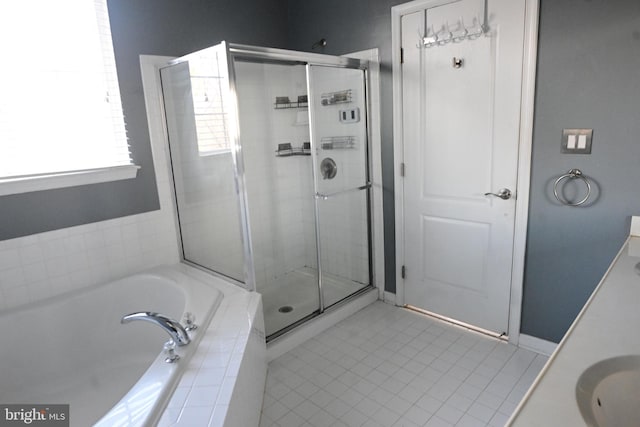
pixel 588 76
pixel 589 57
pixel 161 27
pixel 351 26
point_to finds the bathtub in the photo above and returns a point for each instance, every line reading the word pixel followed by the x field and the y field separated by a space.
pixel 72 349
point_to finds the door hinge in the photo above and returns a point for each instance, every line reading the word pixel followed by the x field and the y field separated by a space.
pixel 403 272
pixel 402 169
pixel 402 55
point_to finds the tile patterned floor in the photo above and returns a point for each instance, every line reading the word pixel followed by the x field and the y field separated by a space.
pixel 387 366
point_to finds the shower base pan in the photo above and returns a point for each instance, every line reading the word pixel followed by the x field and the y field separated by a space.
pixel 294 296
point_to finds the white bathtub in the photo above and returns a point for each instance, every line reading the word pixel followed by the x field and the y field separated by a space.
pixel 72 349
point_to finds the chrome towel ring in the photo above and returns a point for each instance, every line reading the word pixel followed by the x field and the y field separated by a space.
pixel 572 174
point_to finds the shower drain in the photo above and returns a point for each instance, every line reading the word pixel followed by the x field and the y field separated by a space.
pixel 285 309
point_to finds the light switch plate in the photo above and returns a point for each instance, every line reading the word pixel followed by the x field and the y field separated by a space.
pixel 576 141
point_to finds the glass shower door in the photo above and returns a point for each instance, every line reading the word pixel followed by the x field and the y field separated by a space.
pixel 273 115
pixel 338 126
pixel 200 121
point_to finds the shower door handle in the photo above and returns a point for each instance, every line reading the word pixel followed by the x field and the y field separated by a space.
pixel 337 193
pixel 503 193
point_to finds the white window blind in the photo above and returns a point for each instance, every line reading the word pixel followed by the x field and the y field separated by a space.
pixel 60 108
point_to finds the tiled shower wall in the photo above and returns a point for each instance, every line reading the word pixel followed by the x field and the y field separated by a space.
pixel 280 189
pixel 42 265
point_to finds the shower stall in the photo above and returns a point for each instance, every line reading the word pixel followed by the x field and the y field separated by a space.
pixel 270 155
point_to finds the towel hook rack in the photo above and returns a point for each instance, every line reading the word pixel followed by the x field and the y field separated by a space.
pixel 572 174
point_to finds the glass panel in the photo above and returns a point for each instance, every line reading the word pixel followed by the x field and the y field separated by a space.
pixel 339 135
pixel 344 243
pixel 279 181
pixel 196 94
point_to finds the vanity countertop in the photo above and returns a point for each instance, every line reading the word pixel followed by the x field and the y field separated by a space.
pixel 606 327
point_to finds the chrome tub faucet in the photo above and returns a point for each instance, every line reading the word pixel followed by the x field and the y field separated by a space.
pixel 172 327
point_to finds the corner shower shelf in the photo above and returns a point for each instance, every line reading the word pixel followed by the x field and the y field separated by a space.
pixel 286 150
pixel 283 102
pixel 338 142
pixel 340 97
pixel 284 106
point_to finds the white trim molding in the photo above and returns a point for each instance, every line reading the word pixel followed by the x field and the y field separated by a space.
pixel 28 184
pixel 524 152
pixel 538 345
pixel 375 162
pixel 527 104
pixel 389 298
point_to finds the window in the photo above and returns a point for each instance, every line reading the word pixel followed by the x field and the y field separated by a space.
pixel 209 110
pixel 61 120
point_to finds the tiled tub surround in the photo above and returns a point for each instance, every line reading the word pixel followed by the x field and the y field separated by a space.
pixel 387 366
pixel 224 381
pixel 606 327
pixel 42 265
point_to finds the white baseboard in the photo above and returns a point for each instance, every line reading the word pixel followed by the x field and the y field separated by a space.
pixel 537 344
pixel 292 339
pixel 389 298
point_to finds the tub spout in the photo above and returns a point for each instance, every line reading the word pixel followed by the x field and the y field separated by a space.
pixel 173 327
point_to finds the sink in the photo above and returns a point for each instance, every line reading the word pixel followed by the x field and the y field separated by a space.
pixel 608 392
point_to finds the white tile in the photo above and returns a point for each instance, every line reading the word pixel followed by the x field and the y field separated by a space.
pixel 449 413
pixel 178 397
pixel 291 419
pixel 337 388
pixel 499 420
pixel 460 402
pixel 354 418
pixel 322 419
pixel 337 408
pixel 398 405
pixel 454 377
pixel 307 409
pixel 405 422
pixel 437 422
pixel 352 397
pixel 194 416
pixel 218 416
pixel 367 406
pixel 276 411
pixel 278 391
pixel 385 417
pixel 292 399
pixel 322 398
pixel 209 377
pixel 202 396
pixel 469 421
pixel 307 389
pixel 481 412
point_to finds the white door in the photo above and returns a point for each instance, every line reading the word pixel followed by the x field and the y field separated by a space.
pixel 461 121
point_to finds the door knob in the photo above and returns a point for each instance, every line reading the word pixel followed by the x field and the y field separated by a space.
pixel 503 193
